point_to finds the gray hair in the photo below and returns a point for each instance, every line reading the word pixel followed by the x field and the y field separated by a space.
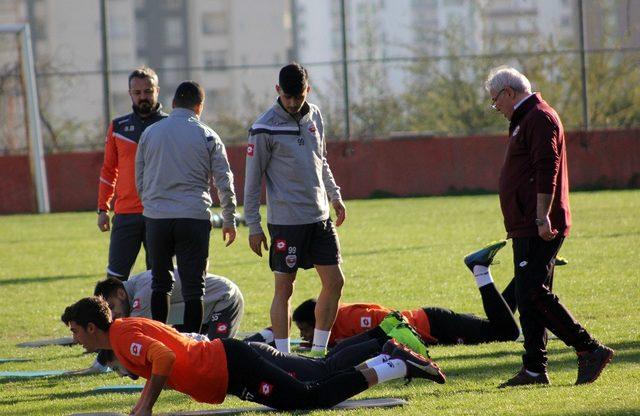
pixel 506 76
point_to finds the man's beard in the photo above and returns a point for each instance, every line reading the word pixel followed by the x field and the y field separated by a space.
pixel 143 108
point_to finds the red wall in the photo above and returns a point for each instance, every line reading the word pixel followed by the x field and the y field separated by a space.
pixel 418 166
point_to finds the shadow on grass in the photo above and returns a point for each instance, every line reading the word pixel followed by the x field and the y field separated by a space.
pixel 626 352
pixel 41 279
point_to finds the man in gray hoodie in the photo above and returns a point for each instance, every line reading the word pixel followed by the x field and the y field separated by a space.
pixel 287 147
pixel 175 163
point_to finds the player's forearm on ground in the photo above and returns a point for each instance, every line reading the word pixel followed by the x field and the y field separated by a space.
pixel 543 205
pixel 152 390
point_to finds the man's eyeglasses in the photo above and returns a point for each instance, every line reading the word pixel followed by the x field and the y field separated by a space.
pixel 494 99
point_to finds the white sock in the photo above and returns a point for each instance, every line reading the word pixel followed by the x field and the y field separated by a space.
pixel 283 345
pixel 320 340
pixel 482 275
pixel 532 374
pixel 267 334
pixel 390 370
pixel 377 360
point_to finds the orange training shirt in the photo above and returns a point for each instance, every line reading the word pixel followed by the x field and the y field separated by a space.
pixel 146 347
pixel 355 318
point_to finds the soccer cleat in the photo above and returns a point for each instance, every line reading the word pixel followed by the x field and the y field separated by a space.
pixel 391 321
pixel 591 363
pixel 561 261
pixel 418 366
pixel 407 335
pixel 484 256
pixel 523 379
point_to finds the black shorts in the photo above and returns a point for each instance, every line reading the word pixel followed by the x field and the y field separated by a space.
pixel 305 245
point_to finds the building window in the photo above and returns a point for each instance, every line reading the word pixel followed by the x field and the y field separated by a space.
pixel 214 23
pixel 118 27
pixel 214 58
pixel 173 32
pixel 173 5
pixel 172 69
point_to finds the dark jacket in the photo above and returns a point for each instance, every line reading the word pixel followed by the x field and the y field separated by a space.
pixel 535 162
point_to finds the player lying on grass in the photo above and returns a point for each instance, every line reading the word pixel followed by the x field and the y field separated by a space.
pixel 209 370
pixel 301 367
pixel 359 322
pixel 223 305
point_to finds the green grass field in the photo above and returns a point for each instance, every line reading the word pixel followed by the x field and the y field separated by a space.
pixel 402 253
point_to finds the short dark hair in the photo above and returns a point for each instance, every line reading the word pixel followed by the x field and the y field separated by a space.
pixel 293 79
pixel 305 312
pixel 144 72
pixel 188 95
pixel 108 287
pixel 93 310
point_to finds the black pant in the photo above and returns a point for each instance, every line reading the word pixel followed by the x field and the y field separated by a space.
pixel 540 309
pixel 259 378
pixel 450 327
pixel 127 235
pixel 188 239
pixel 312 369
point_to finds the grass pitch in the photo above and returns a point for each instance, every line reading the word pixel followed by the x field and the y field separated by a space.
pixel 403 253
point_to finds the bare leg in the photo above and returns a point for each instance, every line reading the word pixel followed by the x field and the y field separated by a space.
pixel 281 306
pixel 327 305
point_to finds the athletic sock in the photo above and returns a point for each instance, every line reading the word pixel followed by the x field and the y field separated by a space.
pixel 283 345
pixel 377 360
pixel 390 370
pixel 482 275
pixel 320 340
pixel 267 335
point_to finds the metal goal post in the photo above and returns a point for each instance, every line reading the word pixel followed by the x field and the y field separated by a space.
pixel 36 149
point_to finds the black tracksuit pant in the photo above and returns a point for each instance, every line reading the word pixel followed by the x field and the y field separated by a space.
pixel 450 327
pixel 265 378
pixel 534 261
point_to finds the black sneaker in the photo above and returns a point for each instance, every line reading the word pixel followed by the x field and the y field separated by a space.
pixel 484 256
pixel 591 363
pixel 523 378
pixel 417 365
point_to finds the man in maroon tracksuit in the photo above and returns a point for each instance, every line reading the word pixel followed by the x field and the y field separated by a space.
pixel 534 197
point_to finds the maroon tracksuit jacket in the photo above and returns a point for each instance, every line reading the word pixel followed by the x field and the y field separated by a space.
pixel 535 162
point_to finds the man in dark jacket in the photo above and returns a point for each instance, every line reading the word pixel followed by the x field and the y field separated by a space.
pixel 534 197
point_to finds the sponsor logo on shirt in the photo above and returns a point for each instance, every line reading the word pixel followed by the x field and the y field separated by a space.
pixel 265 389
pixel 312 128
pixel 291 260
pixel 523 263
pixel 365 322
pixel 136 304
pixel 250 148
pixel 129 128
pixel 221 328
pixel 281 246
pixel 292 374
pixel 516 131
pixel 135 349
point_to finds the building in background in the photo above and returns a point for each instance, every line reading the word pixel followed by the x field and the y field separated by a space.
pixel 234 48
